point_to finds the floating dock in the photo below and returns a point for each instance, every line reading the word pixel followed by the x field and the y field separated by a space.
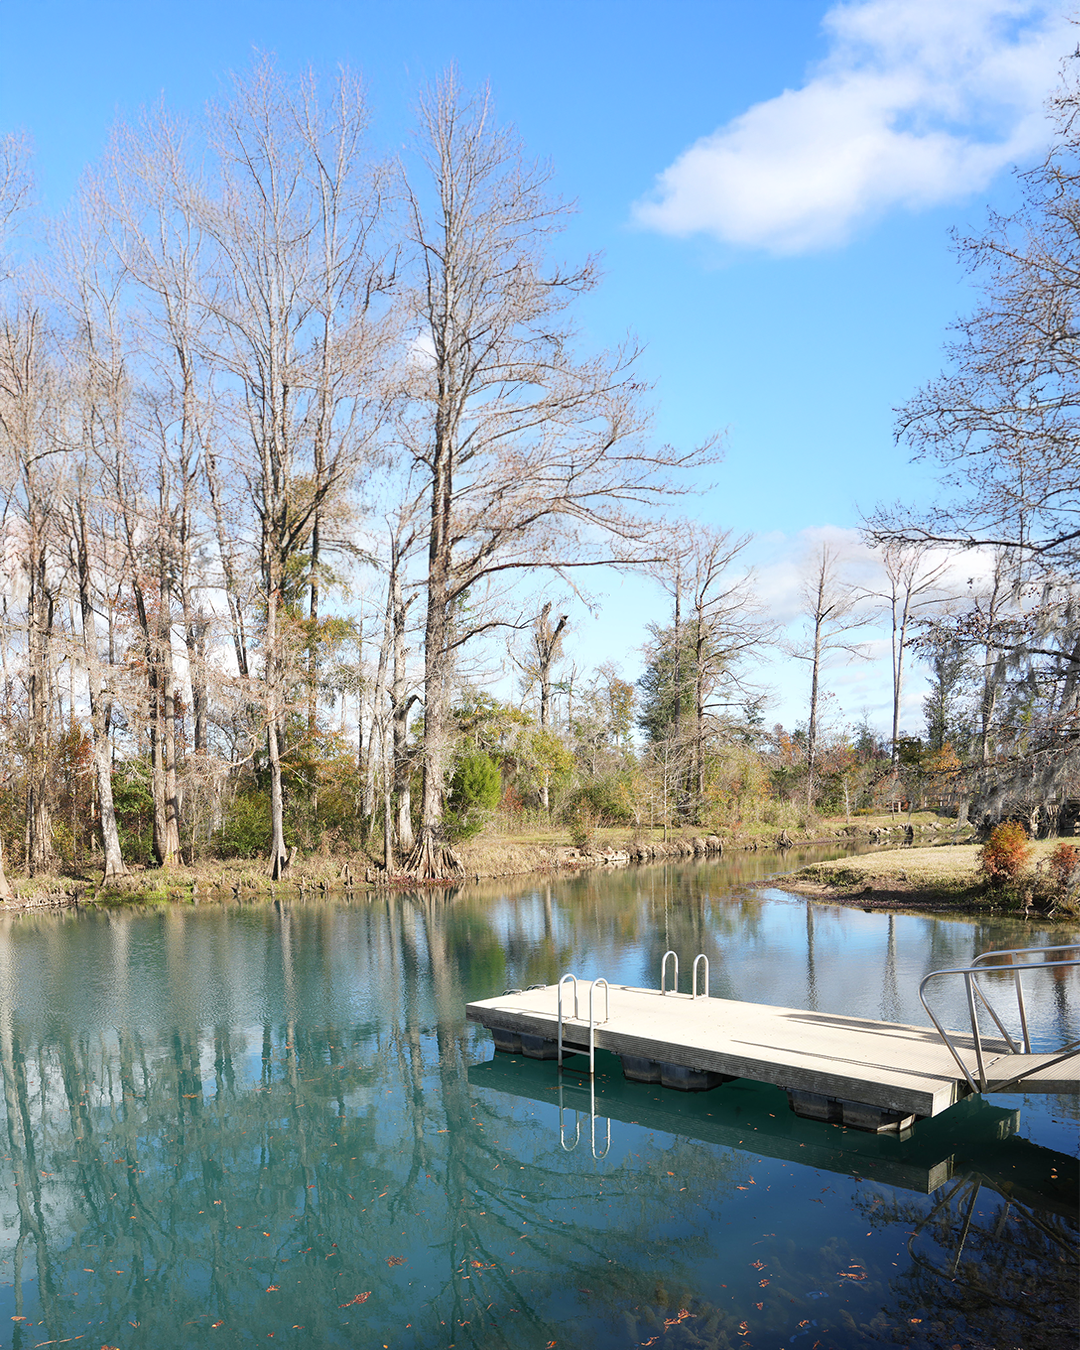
pixel 869 1075
pixel 974 1140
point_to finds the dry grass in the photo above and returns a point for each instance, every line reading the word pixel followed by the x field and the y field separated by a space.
pixel 947 869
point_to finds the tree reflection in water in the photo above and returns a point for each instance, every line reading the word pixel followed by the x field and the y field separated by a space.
pixel 258 1119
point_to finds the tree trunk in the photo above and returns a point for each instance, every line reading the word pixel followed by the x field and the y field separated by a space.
pixel 169 854
pixel 400 703
pixel 811 730
pixel 6 892
pixel 163 741
pixel 279 856
pixel 39 846
pixel 547 641
pixel 313 623
pixel 195 641
pixel 99 704
pixel 431 858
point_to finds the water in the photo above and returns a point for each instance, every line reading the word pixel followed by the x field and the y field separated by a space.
pixel 236 1124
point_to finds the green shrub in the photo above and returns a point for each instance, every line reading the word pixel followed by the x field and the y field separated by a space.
pixel 607 801
pixel 582 825
pixel 1005 854
pixel 245 831
pixel 475 790
pixel 134 806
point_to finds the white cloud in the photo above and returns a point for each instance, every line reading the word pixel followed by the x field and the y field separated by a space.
pixel 919 102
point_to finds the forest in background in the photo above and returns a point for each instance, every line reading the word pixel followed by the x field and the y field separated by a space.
pixel 300 458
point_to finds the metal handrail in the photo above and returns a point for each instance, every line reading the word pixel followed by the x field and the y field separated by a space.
pixel 577 1016
pixel 562 982
pixel 663 972
pixel 974 991
pixel 592 1020
pixel 701 957
pixel 986 956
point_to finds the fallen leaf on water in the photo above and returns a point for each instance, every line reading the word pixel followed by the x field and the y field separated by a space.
pixel 360 1298
pixel 270 1288
pixel 217 1324
pixel 395 1260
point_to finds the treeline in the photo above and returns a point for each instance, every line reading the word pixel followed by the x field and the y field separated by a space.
pixel 251 359
pixel 1003 423
pixel 289 434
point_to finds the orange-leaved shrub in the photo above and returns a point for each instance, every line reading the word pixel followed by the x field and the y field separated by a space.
pixel 1063 862
pixel 1005 853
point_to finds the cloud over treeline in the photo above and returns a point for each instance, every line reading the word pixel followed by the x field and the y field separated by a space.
pixel 917 103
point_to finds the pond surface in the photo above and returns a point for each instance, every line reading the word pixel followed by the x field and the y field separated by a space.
pixel 232 1124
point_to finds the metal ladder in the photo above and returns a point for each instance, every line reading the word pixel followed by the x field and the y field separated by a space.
pixel 675 981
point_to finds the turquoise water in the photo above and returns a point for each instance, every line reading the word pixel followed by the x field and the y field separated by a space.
pixel 239 1125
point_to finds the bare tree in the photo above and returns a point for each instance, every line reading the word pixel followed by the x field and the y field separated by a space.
pixel 830 608
pixel 268 273
pixel 1004 420
pixel 913 587
pixel 547 646
pixel 29 417
pixel 16 183
pixel 697 665
pixel 533 458
pixel 547 643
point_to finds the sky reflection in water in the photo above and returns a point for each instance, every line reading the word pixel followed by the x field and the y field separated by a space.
pixel 233 1125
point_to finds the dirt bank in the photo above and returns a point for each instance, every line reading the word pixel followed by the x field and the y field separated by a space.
pixel 489 856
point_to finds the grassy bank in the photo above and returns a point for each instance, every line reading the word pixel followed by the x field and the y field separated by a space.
pixel 930 878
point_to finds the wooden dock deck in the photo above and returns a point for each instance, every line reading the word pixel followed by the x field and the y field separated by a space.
pixel 831 1066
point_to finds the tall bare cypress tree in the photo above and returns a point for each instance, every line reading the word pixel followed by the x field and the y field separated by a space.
pixel 534 457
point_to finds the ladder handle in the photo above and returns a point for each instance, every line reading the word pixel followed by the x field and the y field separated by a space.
pixel 592 1019
pixel 663 972
pixel 701 957
pixel 568 1148
pixel 561 983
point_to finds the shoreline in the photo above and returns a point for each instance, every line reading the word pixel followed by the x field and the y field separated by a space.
pixel 897 899
pixel 494 857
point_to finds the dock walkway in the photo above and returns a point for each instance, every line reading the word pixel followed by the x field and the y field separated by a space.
pixel 853 1070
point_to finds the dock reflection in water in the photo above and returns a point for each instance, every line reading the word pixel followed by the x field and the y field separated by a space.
pixel 241 1123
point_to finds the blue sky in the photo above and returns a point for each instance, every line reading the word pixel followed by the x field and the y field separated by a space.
pixel 771 183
